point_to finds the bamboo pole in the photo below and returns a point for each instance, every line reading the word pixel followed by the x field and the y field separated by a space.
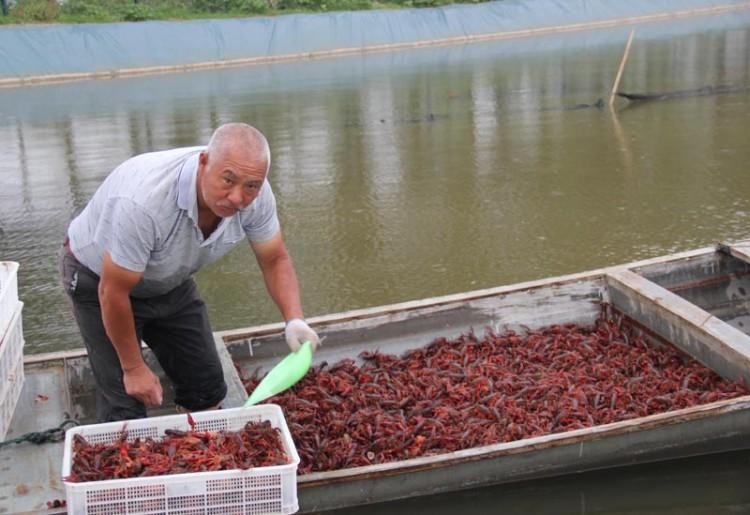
pixel 628 162
pixel 622 67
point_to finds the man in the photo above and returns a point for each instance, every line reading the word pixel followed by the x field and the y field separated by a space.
pixel 128 262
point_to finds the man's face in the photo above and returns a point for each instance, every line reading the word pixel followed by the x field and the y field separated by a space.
pixel 229 181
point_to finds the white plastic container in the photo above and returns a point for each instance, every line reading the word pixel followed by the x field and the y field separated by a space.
pixel 11 369
pixel 254 491
pixel 8 293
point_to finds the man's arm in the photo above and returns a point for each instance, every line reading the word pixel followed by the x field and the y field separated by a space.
pixel 281 282
pixel 279 275
pixel 117 313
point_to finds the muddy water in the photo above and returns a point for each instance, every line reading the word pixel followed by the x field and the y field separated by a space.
pixel 411 174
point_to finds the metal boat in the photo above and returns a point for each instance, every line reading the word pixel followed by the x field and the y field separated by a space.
pixel 698 301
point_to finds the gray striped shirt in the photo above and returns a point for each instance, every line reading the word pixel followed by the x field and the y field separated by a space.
pixel 145 214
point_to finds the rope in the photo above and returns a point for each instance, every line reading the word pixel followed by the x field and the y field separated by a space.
pixel 55 434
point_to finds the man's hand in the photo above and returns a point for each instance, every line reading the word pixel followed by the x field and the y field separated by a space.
pixel 141 383
pixel 298 332
pixel 117 314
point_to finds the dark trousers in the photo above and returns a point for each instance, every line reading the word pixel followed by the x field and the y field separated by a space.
pixel 174 325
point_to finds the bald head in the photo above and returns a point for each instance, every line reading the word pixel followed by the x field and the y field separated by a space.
pixel 232 138
pixel 232 170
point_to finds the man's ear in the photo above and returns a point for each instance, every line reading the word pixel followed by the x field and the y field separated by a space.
pixel 203 158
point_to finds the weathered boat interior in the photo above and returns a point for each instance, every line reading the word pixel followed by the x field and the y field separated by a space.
pixel 718 283
pixel 697 301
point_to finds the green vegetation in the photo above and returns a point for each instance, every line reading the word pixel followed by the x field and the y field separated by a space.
pixel 81 11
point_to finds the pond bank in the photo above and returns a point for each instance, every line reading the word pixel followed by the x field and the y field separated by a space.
pixel 55 53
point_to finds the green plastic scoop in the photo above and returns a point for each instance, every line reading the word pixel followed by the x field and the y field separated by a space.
pixel 284 375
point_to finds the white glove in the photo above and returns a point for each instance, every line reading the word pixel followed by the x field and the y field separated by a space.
pixel 298 332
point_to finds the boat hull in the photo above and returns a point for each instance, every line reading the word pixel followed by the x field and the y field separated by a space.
pixel 688 299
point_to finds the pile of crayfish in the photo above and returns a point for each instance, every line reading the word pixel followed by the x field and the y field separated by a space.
pixel 257 444
pixel 471 391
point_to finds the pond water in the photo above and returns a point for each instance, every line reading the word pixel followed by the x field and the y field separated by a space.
pixel 412 174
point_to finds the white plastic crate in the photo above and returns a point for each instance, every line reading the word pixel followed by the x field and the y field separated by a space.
pixel 10 394
pixel 11 369
pixel 8 293
pixel 11 345
pixel 259 490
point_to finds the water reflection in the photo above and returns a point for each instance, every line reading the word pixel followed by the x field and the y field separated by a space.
pixel 411 174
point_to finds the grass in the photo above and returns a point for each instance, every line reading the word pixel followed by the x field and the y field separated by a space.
pixel 108 11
